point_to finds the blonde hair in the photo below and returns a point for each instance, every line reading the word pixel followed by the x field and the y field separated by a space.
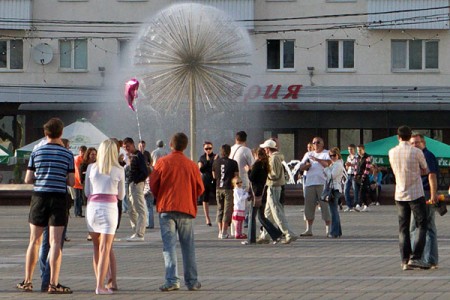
pixel 107 156
pixel 235 180
pixel 336 151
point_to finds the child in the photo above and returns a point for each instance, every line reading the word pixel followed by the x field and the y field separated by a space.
pixel 375 178
pixel 239 198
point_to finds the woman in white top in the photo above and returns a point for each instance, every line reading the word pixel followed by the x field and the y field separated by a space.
pixel 104 185
pixel 335 172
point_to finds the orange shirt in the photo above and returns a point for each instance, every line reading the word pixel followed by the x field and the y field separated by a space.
pixel 176 184
pixel 78 161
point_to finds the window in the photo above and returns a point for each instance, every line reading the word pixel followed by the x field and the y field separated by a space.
pixel 415 55
pixel 341 54
pixel 11 54
pixel 73 54
pixel 280 54
pixel 124 53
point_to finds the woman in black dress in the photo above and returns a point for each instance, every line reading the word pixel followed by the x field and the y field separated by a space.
pixel 205 164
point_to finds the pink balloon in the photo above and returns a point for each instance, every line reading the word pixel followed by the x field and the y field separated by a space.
pixel 131 91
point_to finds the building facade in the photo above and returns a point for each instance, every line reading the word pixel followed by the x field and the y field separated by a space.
pixel 350 71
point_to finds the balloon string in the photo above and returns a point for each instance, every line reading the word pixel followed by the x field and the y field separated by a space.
pixel 137 120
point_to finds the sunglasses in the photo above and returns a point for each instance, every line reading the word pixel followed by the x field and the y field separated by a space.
pixel 316 143
pixel 333 155
pixel 239 182
pixel 208 148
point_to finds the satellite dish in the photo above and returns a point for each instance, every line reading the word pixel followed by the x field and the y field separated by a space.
pixel 42 54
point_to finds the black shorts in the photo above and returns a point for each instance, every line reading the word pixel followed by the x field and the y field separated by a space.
pixel 48 209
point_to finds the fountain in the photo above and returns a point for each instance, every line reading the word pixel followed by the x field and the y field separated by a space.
pixel 191 56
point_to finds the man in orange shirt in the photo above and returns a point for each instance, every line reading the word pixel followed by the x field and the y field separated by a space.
pixel 176 185
pixel 78 205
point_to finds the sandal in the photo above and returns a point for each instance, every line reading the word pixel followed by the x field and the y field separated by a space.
pixel 59 289
pixel 26 287
pixel 112 288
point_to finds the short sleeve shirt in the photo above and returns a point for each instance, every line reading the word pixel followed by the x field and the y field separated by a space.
pixel 433 166
pixel 406 163
pixel 243 156
pixel 315 176
pixel 224 170
pixel 51 163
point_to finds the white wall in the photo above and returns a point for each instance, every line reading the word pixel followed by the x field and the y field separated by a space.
pixel 372 65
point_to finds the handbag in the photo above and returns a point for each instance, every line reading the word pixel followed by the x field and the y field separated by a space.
pixel 441 208
pixel 327 194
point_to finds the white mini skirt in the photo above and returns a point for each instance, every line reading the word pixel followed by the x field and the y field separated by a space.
pixel 102 217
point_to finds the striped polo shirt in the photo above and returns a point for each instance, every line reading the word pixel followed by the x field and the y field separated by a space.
pixel 51 163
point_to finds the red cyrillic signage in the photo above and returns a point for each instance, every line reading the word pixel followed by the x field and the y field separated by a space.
pixel 256 91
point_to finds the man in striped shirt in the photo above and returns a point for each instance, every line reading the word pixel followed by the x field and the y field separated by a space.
pixel 51 169
pixel 408 164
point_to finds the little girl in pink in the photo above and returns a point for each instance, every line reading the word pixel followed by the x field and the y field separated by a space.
pixel 239 198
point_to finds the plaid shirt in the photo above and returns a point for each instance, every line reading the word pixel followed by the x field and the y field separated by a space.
pixel 407 162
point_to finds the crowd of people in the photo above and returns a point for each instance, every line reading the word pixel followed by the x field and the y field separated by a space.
pixel 246 184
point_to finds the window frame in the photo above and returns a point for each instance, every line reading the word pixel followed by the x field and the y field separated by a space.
pixel 282 54
pixel 7 68
pixel 407 55
pixel 340 67
pixel 72 67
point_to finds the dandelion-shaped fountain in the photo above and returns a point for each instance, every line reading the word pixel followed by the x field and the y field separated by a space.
pixel 191 53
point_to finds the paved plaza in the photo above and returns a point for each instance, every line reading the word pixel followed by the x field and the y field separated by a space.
pixel 363 264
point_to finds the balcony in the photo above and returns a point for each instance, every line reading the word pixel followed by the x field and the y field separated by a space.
pixel 408 14
pixel 15 14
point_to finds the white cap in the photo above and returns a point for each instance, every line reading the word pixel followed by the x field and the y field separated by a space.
pixel 269 144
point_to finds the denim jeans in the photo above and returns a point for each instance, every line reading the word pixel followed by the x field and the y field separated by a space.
pixel 251 233
pixel 172 223
pixel 349 183
pixel 363 191
pixel 356 191
pixel 335 229
pixel 126 201
pixel 149 201
pixel 44 258
pixel 78 205
pixel 274 232
pixel 404 209
pixel 430 252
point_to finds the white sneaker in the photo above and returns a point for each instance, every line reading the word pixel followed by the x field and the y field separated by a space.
pixel 135 238
pixel 347 209
pixel 365 208
pixel 357 207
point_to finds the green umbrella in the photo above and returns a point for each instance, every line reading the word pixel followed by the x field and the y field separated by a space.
pixel 379 150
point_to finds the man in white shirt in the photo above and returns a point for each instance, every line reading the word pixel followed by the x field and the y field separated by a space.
pixel 243 155
pixel 350 166
pixel 158 152
pixel 314 162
